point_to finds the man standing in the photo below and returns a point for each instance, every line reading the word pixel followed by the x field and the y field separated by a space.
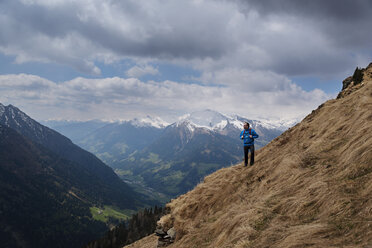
pixel 248 135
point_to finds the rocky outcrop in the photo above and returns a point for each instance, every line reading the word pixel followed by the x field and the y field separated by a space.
pixel 352 83
pixel 165 237
pixel 347 81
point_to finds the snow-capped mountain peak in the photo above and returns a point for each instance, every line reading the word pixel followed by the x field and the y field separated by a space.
pixel 212 120
pixel 208 119
pixel 149 121
pixel 13 114
pixel 215 121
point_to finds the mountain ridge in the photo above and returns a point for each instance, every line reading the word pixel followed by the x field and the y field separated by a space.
pixel 158 122
pixel 159 159
pixel 43 196
pixel 178 154
pixel 114 188
pixel 51 189
pixel 213 120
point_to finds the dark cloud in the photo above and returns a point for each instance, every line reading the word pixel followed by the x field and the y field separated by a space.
pixel 346 21
pixel 319 38
pixel 145 37
pixel 289 37
pixel 341 10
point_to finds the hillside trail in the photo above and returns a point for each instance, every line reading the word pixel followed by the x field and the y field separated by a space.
pixel 309 187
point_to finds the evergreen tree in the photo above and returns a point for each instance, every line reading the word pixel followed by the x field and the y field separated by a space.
pixel 140 225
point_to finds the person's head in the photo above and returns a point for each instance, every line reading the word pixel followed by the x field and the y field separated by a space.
pixel 246 125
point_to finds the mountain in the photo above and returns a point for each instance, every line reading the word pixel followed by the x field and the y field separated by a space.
pixel 51 189
pixel 179 158
pixel 75 130
pixel 231 126
pixel 44 198
pixel 189 149
pixel 116 141
pixel 310 187
pixel 109 188
pixel 164 160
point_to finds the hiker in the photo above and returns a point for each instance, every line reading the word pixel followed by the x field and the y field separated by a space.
pixel 248 135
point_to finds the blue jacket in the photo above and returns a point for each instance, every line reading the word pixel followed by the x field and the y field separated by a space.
pixel 244 135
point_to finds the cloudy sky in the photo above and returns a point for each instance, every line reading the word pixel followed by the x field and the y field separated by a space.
pixel 120 59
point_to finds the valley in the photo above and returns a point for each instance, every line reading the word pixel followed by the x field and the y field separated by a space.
pixel 164 160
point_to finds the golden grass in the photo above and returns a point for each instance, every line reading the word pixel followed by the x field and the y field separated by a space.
pixel 310 187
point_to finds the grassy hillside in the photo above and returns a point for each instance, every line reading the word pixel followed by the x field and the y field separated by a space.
pixel 106 212
pixel 310 187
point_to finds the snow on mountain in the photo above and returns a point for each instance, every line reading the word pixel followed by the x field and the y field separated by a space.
pixel 13 114
pixel 149 121
pixel 280 124
pixel 215 121
pixel 2 109
pixel 239 122
pixel 188 124
pixel 206 118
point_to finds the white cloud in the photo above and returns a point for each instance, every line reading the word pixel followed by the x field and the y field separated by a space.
pixel 247 80
pixel 249 49
pixel 139 71
pixel 118 98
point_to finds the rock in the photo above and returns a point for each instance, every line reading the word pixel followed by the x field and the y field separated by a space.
pixel 165 238
pixel 347 81
pixel 162 243
pixel 350 84
pixel 160 232
pixel 358 75
pixel 172 233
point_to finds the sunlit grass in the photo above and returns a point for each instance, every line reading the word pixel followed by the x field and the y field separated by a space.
pixel 103 214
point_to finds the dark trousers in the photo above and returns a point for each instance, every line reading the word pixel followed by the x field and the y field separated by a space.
pixel 246 149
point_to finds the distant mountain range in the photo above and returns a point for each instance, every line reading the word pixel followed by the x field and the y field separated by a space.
pixel 116 141
pixel 49 185
pixel 75 130
pixel 157 157
pixel 79 130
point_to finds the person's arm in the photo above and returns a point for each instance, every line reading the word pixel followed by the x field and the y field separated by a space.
pixel 241 135
pixel 254 134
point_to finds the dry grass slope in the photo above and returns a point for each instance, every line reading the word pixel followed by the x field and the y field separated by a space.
pixel 147 242
pixel 310 187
